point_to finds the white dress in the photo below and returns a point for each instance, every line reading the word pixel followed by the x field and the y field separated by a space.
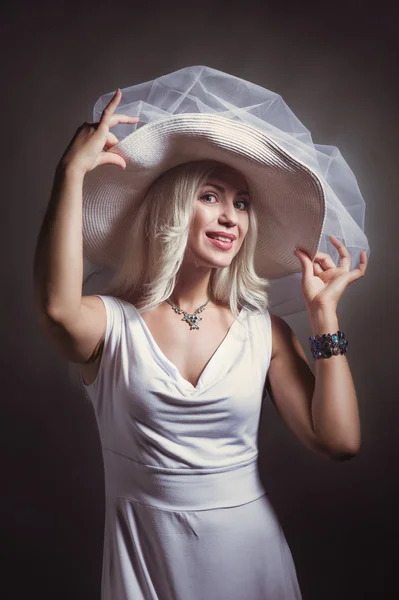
pixel 187 517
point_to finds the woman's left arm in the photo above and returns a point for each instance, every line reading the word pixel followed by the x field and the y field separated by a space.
pixel 321 409
pixel 335 412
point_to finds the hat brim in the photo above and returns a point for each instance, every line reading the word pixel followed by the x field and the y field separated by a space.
pixel 287 195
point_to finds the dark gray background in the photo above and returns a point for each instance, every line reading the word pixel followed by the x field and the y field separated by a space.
pixel 335 65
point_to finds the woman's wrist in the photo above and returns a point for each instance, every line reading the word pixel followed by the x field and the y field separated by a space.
pixel 324 320
pixel 69 171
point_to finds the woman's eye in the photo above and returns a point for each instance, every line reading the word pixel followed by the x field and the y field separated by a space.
pixel 244 202
pixel 208 196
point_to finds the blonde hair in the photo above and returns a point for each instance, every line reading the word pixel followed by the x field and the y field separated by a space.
pixel 157 243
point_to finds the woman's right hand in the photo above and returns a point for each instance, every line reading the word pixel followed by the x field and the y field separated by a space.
pixel 88 148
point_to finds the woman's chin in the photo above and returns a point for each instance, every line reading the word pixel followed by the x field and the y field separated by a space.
pixel 208 259
pixel 213 262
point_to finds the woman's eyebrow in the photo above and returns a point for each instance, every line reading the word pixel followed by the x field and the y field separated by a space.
pixel 221 188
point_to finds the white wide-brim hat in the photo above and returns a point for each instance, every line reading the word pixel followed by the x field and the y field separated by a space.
pixel 302 193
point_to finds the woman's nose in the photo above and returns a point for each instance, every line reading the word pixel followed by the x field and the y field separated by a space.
pixel 228 213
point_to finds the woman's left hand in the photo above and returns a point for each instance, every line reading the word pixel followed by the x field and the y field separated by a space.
pixel 322 282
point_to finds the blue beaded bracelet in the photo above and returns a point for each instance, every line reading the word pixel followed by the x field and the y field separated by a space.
pixel 324 346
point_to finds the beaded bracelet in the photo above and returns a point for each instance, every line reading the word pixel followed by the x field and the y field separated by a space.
pixel 324 346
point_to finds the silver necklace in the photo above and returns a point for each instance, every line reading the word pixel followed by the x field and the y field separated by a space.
pixel 191 319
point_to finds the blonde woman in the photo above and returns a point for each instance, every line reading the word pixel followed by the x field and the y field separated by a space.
pixel 178 353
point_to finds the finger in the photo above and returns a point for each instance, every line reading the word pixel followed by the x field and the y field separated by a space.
pixel 324 261
pixel 318 269
pixel 111 140
pixel 306 263
pixel 355 274
pixel 345 259
pixel 115 99
pixel 110 108
pixel 363 259
pixel 111 158
pixel 362 267
pixel 119 118
pixel 360 271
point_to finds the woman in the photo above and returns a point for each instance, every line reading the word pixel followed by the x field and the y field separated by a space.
pixel 178 400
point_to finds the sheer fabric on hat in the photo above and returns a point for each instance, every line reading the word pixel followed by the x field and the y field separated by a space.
pixel 201 89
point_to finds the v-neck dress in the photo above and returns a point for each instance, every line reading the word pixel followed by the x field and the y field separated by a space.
pixel 186 517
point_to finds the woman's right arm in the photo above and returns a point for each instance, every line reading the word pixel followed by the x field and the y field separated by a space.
pixel 58 264
pixel 74 322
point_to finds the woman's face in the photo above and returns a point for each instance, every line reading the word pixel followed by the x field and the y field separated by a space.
pixel 221 209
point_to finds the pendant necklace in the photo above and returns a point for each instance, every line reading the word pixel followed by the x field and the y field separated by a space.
pixel 191 319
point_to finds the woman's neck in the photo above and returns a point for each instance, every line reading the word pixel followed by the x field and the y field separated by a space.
pixel 192 288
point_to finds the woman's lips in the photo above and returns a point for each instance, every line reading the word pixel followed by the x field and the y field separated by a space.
pixel 220 244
